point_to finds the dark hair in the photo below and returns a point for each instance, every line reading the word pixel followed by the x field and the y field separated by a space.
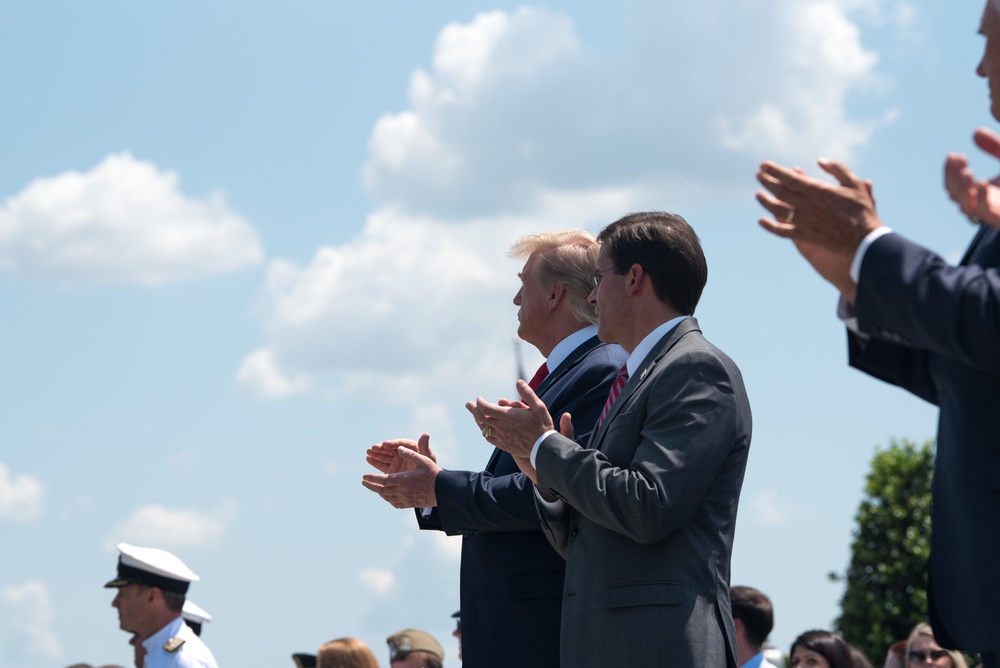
pixel 753 609
pixel 667 249
pixel 829 645
pixel 174 600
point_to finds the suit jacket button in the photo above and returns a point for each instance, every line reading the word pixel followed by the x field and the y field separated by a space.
pixel 574 531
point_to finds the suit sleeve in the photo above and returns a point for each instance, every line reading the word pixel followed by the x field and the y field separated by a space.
pixel 470 501
pixel 910 297
pixel 660 454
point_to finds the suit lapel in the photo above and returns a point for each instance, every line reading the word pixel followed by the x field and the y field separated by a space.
pixel 642 373
pixel 555 375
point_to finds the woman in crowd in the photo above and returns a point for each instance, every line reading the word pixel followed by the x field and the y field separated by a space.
pixel 923 650
pixel 345 653
pixel 820 649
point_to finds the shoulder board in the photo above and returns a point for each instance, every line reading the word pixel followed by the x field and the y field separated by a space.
pixel 173 644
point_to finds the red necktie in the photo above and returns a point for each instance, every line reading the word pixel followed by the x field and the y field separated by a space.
pixel 539 376
pixel 616 389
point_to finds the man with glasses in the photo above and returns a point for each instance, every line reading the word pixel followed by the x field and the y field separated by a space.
pixel 511 578
pixel 645 512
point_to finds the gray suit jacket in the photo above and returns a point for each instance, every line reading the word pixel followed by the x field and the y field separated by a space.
pixel 650 512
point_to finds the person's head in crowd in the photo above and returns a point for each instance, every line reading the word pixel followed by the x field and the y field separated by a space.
pixel 753 618
pixel 413 648
pixel 151 585
pixel 820 649
pixel 923 650
pixel 194 616
pixel 345 653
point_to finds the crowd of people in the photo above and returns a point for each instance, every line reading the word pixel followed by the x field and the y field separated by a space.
pixel 600 531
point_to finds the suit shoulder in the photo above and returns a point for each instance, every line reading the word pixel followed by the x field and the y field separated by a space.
pixel 606 353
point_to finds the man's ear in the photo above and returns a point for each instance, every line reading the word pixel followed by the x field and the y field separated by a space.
pixel 556 294
pixel 634 278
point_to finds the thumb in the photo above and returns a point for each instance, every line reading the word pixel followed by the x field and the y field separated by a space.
pixel 566 425
pixel 988 141
pixel 424 446
pixel 529 397
pixel 414 457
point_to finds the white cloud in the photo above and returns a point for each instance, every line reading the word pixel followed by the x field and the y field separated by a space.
pixel 260 375
pixel 769 508
pixel 172 528
pixel 515 109
pixel 379 580
pixel 31 611
pixel 517 127
pixel 124 221
pixel 21 496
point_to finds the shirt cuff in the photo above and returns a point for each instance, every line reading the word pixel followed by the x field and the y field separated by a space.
pixel 859 255
pixel 534 448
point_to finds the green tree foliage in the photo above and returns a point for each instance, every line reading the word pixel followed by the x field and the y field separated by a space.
pixel 886 582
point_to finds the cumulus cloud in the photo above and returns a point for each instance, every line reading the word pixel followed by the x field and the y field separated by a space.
pixel 427 303
pixel 174 528
pixel 124 221
pixel 515 109
pixel 21 496
pixel 519 127
pixel 32 639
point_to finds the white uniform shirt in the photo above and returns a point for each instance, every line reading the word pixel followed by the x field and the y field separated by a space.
pixel 192 654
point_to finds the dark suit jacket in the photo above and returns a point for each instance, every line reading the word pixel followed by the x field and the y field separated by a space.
pixel 935 331
pixel 650 512
pixel 511 578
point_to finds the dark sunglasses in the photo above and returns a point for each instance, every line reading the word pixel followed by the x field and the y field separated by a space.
pixel 933 655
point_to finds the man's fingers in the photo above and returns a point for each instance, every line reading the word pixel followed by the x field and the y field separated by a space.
pixel 414 457
pixel 780 229
pixel 840 172
pixel 988 141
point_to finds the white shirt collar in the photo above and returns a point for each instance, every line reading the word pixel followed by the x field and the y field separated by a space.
pixel 646 345
pixel 568 345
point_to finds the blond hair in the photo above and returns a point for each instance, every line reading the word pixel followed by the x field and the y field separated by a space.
pixel 567 257
pixel 924 629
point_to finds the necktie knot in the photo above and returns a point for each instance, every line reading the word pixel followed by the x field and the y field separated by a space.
pixel 539 376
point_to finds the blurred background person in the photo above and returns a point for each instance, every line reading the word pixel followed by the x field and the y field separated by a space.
pixel 820 649
pixel 413 648
pixel 923 650
pixel 345 653
pixel 753 618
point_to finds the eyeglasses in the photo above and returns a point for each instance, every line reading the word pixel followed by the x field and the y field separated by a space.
pixel 917 656
pixel 597 275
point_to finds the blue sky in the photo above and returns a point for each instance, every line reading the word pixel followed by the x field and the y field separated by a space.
pixel 239 244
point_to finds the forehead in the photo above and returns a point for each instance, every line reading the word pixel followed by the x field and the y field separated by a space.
pixel 989 24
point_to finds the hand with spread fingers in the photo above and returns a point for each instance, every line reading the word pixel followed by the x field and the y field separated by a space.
pixel 512 426
pixel 408 477
pixel 384 456
pixel 979 200
pixel 826 221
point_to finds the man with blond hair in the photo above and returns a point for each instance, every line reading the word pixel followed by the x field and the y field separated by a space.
pixel 511 578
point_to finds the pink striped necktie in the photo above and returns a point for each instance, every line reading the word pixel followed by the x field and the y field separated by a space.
pixel 616 389
pixel 539 376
